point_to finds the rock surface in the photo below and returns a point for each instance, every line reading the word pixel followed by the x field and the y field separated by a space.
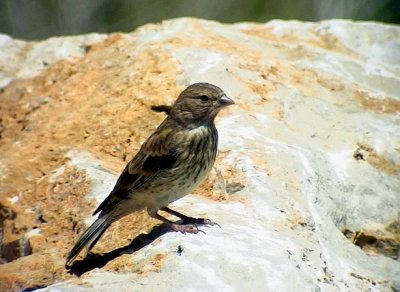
pixel 307 183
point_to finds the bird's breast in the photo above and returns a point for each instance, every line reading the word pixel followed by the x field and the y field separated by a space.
pixel 198 153
pixel 195 158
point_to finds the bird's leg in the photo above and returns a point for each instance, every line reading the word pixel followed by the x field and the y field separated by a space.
pixel 189 228
pixel 187 219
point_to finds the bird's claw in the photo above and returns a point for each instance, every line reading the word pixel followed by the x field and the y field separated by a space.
pixel 201 221
pixel 210 223
pixel 186 228
pixel 189 225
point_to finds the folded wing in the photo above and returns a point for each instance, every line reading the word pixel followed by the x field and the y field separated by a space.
pixel 156 154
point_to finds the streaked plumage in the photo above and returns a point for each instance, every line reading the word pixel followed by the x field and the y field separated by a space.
pixel 173 161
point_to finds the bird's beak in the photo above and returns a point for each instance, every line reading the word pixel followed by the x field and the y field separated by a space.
pixel 225 101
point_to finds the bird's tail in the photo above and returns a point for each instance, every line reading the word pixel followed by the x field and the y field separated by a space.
pixel 89 238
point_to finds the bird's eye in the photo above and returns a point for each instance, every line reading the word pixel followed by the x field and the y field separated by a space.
pixel 204 97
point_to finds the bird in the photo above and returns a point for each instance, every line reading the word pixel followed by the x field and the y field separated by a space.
pixel 170 164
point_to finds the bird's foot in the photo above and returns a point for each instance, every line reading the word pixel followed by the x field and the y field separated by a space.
pixel 187 225
pixel 200 221
pixel 186 228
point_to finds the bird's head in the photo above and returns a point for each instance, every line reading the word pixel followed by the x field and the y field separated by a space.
pixel 199 103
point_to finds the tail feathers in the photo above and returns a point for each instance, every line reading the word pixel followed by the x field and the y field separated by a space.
pixel 89 238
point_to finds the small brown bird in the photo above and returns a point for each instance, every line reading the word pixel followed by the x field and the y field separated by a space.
pixel 173 161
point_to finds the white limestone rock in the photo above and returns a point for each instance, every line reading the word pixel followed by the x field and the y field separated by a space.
pixel 309 96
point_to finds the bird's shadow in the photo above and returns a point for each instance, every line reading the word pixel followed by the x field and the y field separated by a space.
pixel 93 260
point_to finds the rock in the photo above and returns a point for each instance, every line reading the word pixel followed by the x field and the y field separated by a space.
pixel 306 187
pixel 21 247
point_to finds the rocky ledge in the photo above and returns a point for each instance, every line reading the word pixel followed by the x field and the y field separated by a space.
pixel 307 183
